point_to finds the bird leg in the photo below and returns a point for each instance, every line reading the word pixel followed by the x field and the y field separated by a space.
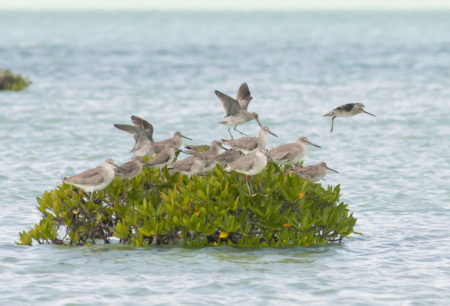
pixel 249 184
pixel 243 134
pixel 332 123
pixel 230 133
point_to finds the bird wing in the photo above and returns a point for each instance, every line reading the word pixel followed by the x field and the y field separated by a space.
pixel 160 146
pixel 244 163
pixel 246 143
pixel 243 96
pixel 88 177
pixel 183 165
pixel 305 172
pixel 144 125
pixel 230 105
pixel 281 154
pixel 160 158
pixel 128 128
pixel 345 107
pixel 126 168
pixel 228 156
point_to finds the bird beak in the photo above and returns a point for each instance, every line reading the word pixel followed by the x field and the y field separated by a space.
pixel 314 144
pixel 273 134
pixel 331 169
pixel 115 165
pixel 368 113
pixel 186 137
pixel 257 120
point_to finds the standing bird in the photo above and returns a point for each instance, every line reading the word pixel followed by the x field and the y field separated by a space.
pixel 312 173
pixel 176 141
pixel 130 169
pixel 290 153
pixel 249 144
pixel 163 158
pixel 198 162
pixel 94 179
pixel 236 109
pixel 228 156
pixel 142 132
pixel 209 157
pixel 346 110
pixel 250 164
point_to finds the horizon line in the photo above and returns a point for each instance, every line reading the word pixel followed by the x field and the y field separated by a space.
pixel 229 5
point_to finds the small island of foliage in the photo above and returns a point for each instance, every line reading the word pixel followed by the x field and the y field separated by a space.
pixel 9 81
pixel 156 208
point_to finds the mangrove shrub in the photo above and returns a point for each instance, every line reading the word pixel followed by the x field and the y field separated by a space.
pixel 9 81
pixel 157 208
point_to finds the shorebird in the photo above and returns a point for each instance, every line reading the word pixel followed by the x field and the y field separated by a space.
pixel 228 156
pixel 142 132
pixel 163 158
pixel 94 179
pixel 176 141
pixel 291 153
pixel 236 109
pixel 346 110
pixel 250 164
pixel 199 162
pixel 190 166
pixel 209 157
pixel 249 144
pixel 312 173
pixel 130 169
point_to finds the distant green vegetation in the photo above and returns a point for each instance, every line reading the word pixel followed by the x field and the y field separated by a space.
pixel 9 81
pixel 156 208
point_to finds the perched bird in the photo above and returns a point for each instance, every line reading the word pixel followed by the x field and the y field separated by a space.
pixel 249 144
pixel 236 109
pixel 186 166
pixel 175 141
pixel 199 162
pixel 142 132
pixel 291 153
pixel 250 164
pixel 94 179
pixel 346 110
pixel 312 173
pixel 163 158
pixel 209 157
pixel 130 169
pixel 228 156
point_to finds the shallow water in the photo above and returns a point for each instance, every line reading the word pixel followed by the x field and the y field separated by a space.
pixel 92 69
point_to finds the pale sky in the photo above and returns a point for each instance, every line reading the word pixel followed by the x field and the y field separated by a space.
pixel 224 4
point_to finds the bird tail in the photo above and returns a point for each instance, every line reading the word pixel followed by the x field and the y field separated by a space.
pixel 329 114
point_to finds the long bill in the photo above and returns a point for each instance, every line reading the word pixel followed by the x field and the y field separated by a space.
pixel 186 137
pixel 368 113
pixel 313 144
pixel 270 132
pixel 331 169
pixel 257 120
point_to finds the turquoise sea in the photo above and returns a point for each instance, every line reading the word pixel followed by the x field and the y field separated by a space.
pixel 93 69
